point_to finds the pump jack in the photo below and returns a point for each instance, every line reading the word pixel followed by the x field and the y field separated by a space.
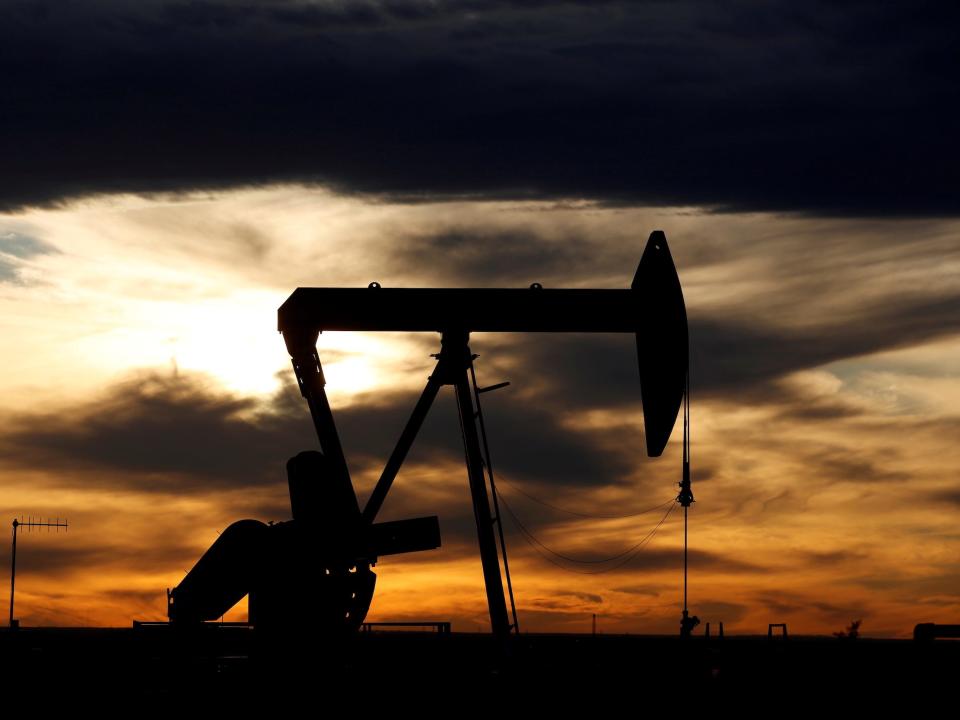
pixel 318 564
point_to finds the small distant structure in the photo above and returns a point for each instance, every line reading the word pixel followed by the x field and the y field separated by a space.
pixel 29 523
pixel 719 631
pixel 781 626
pixel 928 632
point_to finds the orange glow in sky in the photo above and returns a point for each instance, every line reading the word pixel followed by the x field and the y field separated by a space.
pixel 147 396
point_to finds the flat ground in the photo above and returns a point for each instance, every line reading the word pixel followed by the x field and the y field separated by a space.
pixel 231 669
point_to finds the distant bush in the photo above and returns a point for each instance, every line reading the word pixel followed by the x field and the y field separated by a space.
pixel 851 633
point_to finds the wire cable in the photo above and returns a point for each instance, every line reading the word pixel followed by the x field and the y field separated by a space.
pixel 572 559
pixel 580 514
pixel 536 544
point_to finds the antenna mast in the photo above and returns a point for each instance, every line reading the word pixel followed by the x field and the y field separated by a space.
pixel 29 523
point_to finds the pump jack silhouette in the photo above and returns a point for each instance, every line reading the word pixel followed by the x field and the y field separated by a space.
pixel 317 566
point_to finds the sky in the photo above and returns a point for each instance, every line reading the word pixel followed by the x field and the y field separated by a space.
pixel 172 171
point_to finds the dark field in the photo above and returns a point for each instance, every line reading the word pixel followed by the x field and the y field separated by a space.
pixel 230 669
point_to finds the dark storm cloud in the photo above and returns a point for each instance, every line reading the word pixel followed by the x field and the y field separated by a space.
pixel 495 257
pixel 732 357
pixel 159 433
pixel 530 441
pixel 175 434
pixel 828 108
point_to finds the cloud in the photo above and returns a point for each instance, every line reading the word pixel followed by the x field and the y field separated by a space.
pixel 937 585
pixel 584 596
pixel 727 612
pixel 15 248
pixel 649 590
pixel 765 301
pixel 949 496
pixel 786 603
pixel 23 246
pixel 826 109
pixel 66 559
pixel 177 433
pixel 8 271
pixel 168 433
pixel 733 357
pixel 842 463
pixel 497 257
pixel 831 557
pixel 646 559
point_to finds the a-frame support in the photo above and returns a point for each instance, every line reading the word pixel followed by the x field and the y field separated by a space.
pixel 453 368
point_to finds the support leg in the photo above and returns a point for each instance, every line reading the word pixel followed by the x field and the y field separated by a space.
pixel 489 557
pixel 399 453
